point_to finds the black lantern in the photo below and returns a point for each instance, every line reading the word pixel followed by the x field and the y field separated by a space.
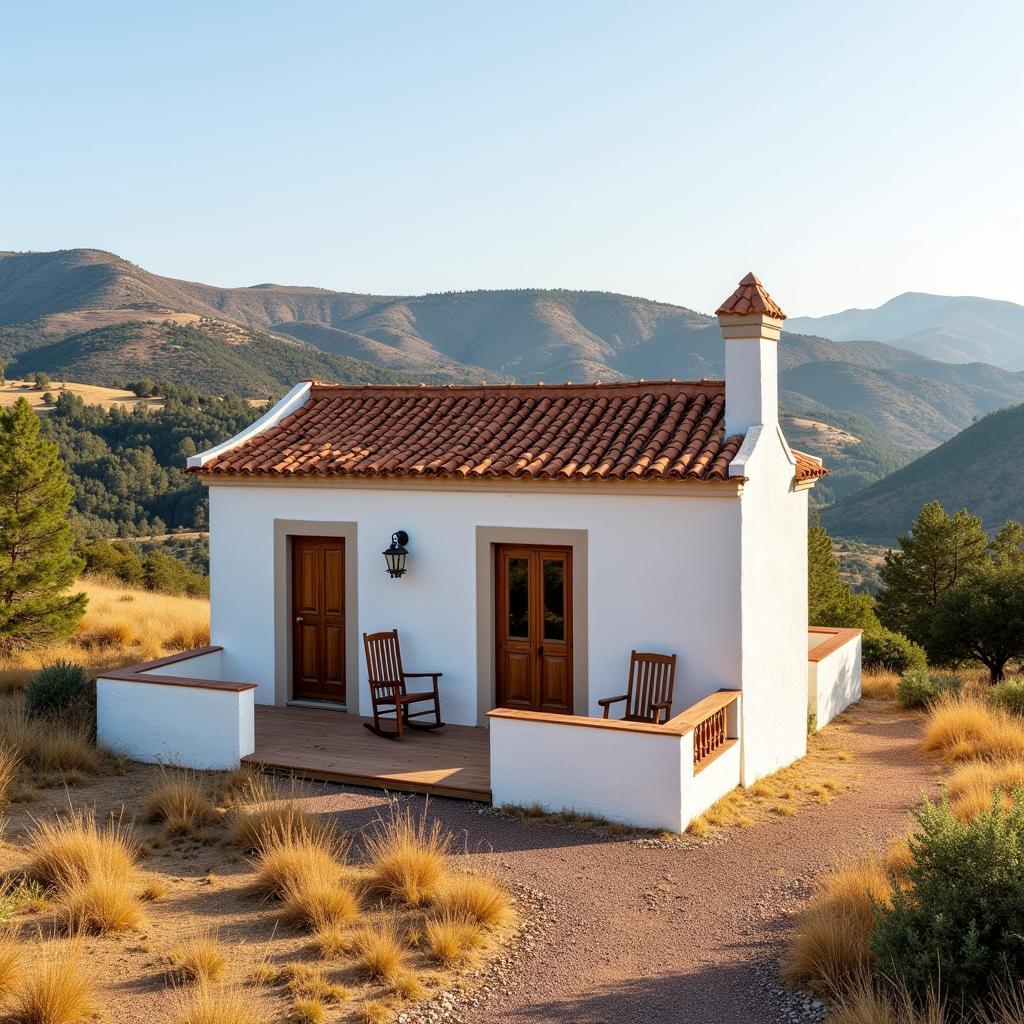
pixel 395 555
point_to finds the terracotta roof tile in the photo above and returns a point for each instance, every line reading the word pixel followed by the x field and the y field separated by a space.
pixel 808 467
pixel 749 298
pixel 666 430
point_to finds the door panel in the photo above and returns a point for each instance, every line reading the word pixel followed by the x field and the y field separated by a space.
pixel 533 618
pixel 318 615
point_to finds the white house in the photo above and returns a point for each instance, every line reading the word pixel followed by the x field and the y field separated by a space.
pixel 550 530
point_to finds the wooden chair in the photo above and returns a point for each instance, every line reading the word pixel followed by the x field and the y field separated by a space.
pixel 648 696
pixel 388 691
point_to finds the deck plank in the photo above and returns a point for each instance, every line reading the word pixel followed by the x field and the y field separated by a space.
pixel 322 744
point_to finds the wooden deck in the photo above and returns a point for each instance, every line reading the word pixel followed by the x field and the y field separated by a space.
pixel 323 744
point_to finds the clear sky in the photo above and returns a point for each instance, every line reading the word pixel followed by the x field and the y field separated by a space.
pixel 845 152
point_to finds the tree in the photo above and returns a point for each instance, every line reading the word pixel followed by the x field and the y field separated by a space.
pixel 936 555
pixel 1008 543
pixel 829 599
pixel 981 617
pixel 42 381
pixel 37 564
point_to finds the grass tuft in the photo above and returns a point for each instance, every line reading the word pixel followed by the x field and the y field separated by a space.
pixel 453 939
pixel 10 963
pixel 831 949
pixel 408 860
pixel 180 802
pixel 962 726
pixel 308 1011
pixel 73 848
pixel 10 763
pixel 376 1013
pixel 317 898
pixel 475 897
pixel 381 953
pixel 200 960
pixel 205 1004
pixel 298 863
pixel 101 906
pixel 54 991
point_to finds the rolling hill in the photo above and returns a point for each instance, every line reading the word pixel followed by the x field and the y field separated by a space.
pixel 981 469
pixel 954 328
pixel 89 315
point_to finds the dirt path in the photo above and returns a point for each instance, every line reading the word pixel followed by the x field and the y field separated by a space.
pixel 687 933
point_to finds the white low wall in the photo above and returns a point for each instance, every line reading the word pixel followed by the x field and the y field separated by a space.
pixel 636 774
pixel 176 711
pixel 833 672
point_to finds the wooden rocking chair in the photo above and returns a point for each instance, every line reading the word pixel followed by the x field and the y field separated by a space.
pixel 387 687
pixel 648 696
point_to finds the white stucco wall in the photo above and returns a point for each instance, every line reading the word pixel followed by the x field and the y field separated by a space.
pixel 708 786
pixel 200 666
pixel 773 625
pixel 183 725
pixel 630 777
pixel 834 682
pixel 663 575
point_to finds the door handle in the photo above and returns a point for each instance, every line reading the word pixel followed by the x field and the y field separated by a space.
pixel 299 618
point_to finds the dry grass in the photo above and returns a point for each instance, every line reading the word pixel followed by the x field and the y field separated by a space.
pixel 475 897
pixel 180 802
pixel 332 939
pixel 376 1013
pixel 10 763
pixel 200 960
pixel 453 939
pixel 963 726
pixel 408 986
pixel 54 991
pixel 45 745
pixel 123 625
pixel 381 953
pixel 867 1002
pixel 298 862
pixel 73 848
pixel 309 1011
pixel 101 906
pixel 878 684
pixel 308 981
pixel 974 786
pixel 205 1004
pixel 317 898
pixel 831 950
pixel 264 809
pixel 10 963
pixel 406 858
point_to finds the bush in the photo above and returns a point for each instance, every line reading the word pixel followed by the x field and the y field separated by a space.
pixel 960 917
pixel 56 688
pixel 1009 695
pixel 917 689
pixel 882 648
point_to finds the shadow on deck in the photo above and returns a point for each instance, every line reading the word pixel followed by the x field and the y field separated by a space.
pixel 322 744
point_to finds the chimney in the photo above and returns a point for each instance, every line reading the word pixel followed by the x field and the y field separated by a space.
pixel 751 322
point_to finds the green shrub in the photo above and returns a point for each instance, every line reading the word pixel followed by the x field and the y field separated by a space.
pixel 1009 695
pixel 884 649
pixel 960 918
pixel 56 689
pixel 917 689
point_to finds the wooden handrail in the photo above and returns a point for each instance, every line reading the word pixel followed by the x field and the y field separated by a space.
pixel 703 709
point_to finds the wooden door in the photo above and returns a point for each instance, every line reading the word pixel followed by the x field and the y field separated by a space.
pixel 533 618
pixel 318 618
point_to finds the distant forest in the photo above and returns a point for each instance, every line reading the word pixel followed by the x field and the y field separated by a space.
pixel 127 465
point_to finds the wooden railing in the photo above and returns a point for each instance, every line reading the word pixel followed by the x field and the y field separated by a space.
pixel 708 719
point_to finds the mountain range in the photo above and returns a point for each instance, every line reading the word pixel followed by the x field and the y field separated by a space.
pixel 953 328
pixel 88 315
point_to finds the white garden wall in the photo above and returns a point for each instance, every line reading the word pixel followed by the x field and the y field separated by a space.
pixel 833 678
pixel 662 568
pixel 177 711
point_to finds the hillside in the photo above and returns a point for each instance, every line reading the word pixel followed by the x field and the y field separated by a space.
pixel 94 317
pixel 981 469
pixel 954 328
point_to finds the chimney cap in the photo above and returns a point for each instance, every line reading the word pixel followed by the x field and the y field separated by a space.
pixel 751 299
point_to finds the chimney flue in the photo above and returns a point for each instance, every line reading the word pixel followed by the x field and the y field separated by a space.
pixel 751 322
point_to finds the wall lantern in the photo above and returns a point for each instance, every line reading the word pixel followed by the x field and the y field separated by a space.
pixel 395 555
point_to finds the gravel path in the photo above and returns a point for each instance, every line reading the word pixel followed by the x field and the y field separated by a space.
pixel 624 930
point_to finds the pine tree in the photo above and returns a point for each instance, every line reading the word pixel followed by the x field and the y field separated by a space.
pixel 940 550
pixel 37 563
pixel 829 600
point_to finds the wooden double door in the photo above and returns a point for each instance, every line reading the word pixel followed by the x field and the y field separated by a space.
pixel 533 599
pixel 318 618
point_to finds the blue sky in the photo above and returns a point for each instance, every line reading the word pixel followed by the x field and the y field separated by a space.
pixel 845 152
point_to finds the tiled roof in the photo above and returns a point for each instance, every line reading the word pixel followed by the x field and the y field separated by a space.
pixel 750 297
pixel 663 430
pixel 807 466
